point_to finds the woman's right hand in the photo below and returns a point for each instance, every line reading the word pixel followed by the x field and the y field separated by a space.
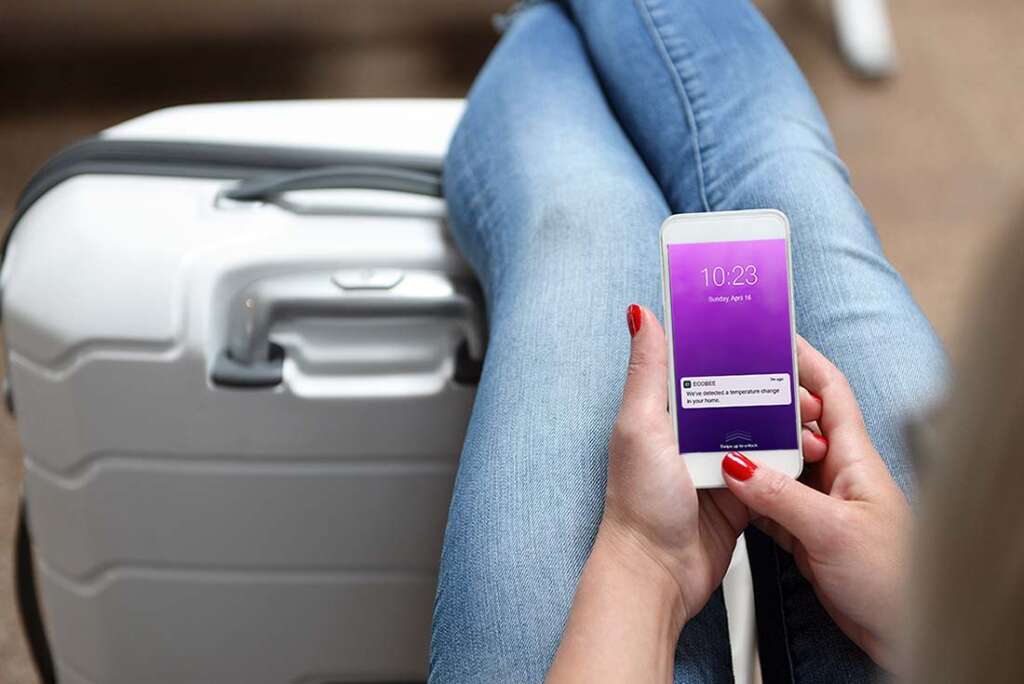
pixel 846 522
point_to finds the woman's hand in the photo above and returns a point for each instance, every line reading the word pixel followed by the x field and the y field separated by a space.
pixel 651 507
pixel 661 548
pixel 847 524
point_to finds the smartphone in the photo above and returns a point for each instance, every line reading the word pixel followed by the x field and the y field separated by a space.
pixel 727 279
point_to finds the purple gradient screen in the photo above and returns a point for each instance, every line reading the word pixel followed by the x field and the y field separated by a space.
pixel 722 324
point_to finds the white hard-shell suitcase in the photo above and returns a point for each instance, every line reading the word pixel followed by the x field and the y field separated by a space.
pixel 242 393
pixel 241 402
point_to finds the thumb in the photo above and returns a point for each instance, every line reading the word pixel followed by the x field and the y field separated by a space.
pixel 645 391
pixel 804 512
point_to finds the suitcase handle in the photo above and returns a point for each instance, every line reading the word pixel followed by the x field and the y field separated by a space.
pixel 252 360
pixel 364 177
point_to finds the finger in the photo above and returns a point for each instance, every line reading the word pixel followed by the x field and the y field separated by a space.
pixel 810 406
pixel 840 417
pixel 805 513
pixel 715 524
pixel 815 446
pixel 732 509
pixel 803 563
pixel 645 392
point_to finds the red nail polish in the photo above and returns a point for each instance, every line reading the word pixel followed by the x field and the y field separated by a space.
pixel 634 317
pixel 738 466
pixel 821 438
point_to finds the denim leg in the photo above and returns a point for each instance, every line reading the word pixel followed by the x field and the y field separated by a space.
pixel 559 217
pixel 723 118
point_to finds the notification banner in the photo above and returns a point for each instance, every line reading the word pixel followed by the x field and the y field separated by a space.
pixel 728 391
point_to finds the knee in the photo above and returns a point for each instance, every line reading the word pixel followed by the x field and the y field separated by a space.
pixel 590 223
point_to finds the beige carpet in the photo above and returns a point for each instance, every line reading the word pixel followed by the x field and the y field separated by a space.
pixel 935 151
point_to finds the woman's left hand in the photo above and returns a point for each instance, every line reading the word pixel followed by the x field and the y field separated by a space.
pixel 662 546
pixel 652 512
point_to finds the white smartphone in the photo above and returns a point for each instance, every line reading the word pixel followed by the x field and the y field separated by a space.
pixel 727 279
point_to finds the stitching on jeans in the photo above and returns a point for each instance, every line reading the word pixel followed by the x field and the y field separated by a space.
pixel 782 611
pixel 478 206
pixel 677 79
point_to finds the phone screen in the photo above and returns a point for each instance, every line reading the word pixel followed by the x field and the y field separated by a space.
pixel 732 341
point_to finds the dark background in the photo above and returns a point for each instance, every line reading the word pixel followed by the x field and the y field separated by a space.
pixel 935 151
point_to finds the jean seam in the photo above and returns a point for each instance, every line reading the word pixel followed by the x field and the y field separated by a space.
pixel 479 205
pixel 782 611
pixel 680 86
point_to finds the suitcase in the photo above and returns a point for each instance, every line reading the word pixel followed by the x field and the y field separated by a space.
pixel 242 352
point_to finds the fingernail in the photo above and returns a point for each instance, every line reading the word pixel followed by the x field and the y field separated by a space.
pixel 738 466
pixel 634 317
pixel 821 438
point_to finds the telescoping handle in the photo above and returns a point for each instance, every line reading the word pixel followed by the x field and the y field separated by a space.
pixel 361 177
pixel 251 360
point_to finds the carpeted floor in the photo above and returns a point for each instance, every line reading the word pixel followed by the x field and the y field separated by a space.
pixel 934 152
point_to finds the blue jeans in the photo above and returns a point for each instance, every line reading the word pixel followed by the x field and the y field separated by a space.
pixel 588 126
